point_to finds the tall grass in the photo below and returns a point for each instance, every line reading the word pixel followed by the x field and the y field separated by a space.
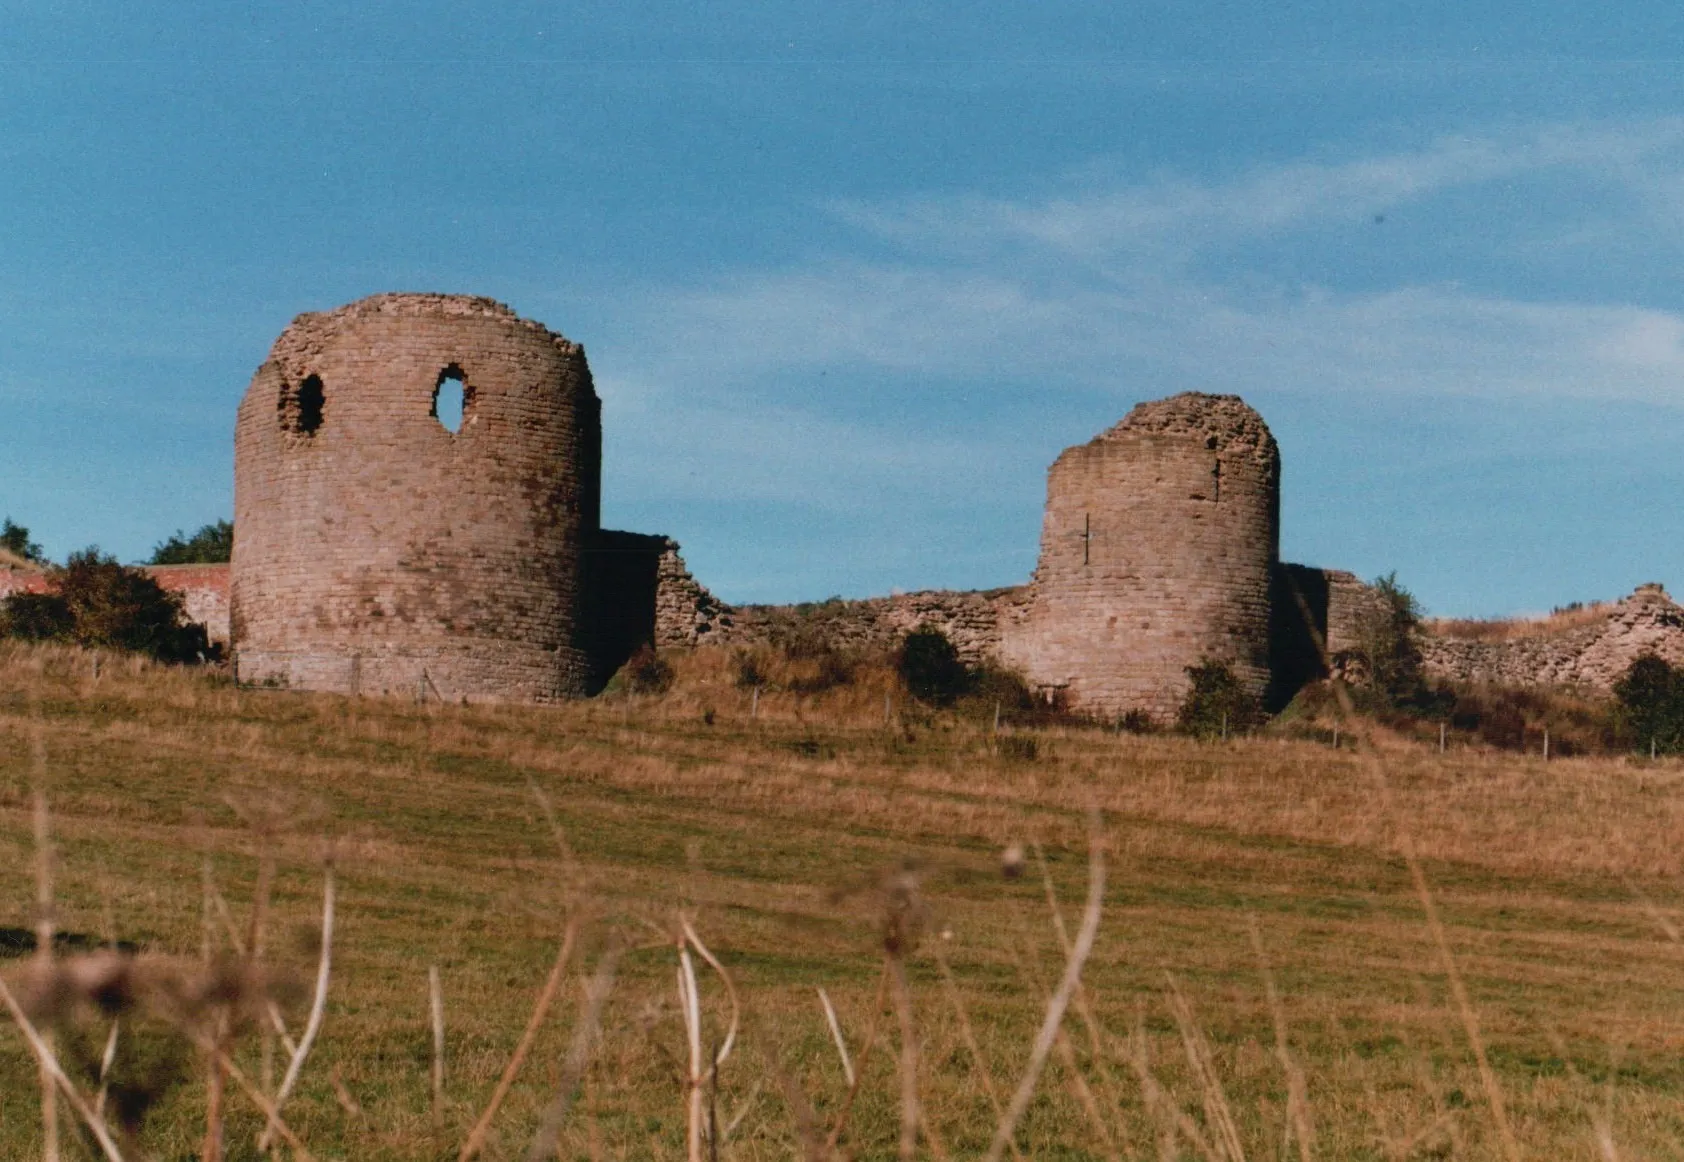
pixel 632 906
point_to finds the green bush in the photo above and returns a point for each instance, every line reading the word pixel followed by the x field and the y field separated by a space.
pixel 211 545
pixel 1217 703
pixel 36 617
pixel 15 539
pixel 930 667
pixel 100 603
pixel 1650 697
pixel 1388 645
pixel 1137 722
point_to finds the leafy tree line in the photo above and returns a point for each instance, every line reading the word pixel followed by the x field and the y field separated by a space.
pixel 212 544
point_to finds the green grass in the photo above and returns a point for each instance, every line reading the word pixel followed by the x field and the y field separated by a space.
pixel 777 851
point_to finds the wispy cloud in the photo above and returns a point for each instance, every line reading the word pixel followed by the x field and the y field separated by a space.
pixel 1098 288
pixel 1166 216
pixel 1053 315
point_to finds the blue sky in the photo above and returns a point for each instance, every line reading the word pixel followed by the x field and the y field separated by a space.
pixel 849 276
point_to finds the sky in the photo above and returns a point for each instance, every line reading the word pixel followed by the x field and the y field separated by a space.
pixel 849 276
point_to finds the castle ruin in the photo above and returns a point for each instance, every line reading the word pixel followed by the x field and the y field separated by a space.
pixel 1158 550
pixel 379 550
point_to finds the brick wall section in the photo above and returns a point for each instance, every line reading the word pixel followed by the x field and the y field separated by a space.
pixel 204 594
pixel 1350 599
pixel 380 552
pixel 22 581
pixel 1316 619
pixel 1158 549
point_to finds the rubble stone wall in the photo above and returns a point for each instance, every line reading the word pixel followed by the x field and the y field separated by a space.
pixel 375 550
pixel 1592 656
pixel 22 581
pixel 686 614
pixel 972 620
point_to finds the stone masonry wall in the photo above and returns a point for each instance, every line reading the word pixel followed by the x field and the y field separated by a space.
pixel 1592 656
pixel 1350 599
pixel 972 621
pixel 1158 549
pixel 375 550
pixel 686 614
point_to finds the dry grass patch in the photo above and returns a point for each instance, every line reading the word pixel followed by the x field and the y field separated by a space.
pixel 788 831
pixel 1506 629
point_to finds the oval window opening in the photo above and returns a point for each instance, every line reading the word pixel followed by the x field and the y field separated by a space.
pixel 450 399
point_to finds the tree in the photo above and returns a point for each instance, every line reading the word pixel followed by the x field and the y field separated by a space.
pixel 15 539
pixel 1216 702
pixel 98 602
pixel 211 545
pixel 1387 643
pixel 1650 698
pixel 930 667
pixel 36 617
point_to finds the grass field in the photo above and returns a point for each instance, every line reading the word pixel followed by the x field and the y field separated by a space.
pixel 789 841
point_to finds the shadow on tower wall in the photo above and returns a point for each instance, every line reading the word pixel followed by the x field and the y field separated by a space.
pixel 619 574
pixel 1298 607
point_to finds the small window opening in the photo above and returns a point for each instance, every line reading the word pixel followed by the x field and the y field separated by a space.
pixel 301 407
pixel 452 399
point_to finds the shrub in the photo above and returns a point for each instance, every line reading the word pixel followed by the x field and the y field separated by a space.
pixel 101 603
pixel 748 669
pixel 930 667
pixel 36 617
pixel 1216 703
pixel 211 545
pixel 987 687
pixel 1650 697
pixel 646 672
pixel 1137 722
pixel 14 538
pixel 1387 645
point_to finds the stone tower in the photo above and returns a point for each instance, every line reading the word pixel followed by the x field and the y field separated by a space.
pixel 1158 547
pixel 377 550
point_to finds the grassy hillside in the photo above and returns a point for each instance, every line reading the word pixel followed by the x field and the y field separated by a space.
pixel 789 841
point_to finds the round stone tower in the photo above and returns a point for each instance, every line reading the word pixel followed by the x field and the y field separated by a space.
pixel 1157 550
pixel 384 541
